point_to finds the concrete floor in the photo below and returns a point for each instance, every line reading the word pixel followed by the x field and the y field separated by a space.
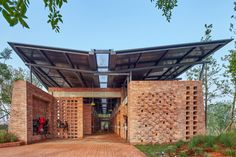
pixel 107 145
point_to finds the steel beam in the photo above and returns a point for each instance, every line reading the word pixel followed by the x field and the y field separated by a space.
pixel 25 58
pixel 179 60
pixel 78 75
pixel 207 54
pixel 52 64
pixel 156 63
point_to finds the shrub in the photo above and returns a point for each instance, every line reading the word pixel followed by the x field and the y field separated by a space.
pixel 170 150
pixel 230 152
pixel 179 144
pixel 195 141
pixel 182 154
pixel 7 137
pixel 198 151
pixel 228 139
pixel 209 141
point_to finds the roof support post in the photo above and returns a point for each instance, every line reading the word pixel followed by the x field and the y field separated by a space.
pixel 130 76
pixel 201 72
pixel 30 73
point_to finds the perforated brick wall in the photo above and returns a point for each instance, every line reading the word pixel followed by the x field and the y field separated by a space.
pixel 164 111
pixel 69 110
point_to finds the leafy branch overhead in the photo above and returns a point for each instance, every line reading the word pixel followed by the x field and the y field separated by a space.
pixel 14 12
pixel 166 6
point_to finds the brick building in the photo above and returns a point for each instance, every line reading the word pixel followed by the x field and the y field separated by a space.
pixel 135 93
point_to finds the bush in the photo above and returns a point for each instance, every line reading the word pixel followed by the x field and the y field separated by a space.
pixel 179 144
pixel 230 152
pixel 198 151
pixel 182 154
pixel 7 137
pixel 171 150
pixel 209 141
pixel 228 139
pixel 195 141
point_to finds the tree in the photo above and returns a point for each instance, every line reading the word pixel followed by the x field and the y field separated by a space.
pixel 14 11
pixel 210 77
pixel 8 75
pixel 5 74
pixel 218 117
pixel 229 85
pixel 166 6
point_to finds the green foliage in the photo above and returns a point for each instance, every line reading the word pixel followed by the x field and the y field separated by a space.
pixel 218 117
pixel 232 64
pixel 197 146
pixel 7 137
pixel 180 143
pixel 7 76
pixel 209 141
pixel 196 141
pixel 170 150
pixel 166 6
pixel 228 139
pixel 182 154
pixel 5 73
pixel 14 12
pixel 203 141
pixel 229 85
pixel 198 151
pixel 207 36
pixel 230 152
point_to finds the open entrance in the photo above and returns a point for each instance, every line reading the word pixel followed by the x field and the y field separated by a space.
pixel 98 114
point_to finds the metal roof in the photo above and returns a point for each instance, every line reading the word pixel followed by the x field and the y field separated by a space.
pixel 57 67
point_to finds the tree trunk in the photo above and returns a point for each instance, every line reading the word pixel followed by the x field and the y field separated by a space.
pixel 233 110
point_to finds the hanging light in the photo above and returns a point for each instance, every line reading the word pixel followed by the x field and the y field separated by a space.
pixel 92 103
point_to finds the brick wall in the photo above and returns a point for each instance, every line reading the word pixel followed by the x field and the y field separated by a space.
pixel 119 121
pixel 87 119
pixel 28 102
pixel 164 111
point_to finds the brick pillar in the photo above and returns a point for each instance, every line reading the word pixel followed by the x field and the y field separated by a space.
pixel 18 114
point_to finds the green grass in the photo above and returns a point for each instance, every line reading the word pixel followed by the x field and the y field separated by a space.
pixel 224 143
pixel 228 139
pixel 230 152
pixel 7 137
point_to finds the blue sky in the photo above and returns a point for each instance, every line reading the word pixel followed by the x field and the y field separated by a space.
pixel 122 24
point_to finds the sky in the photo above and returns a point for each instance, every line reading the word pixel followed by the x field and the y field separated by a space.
pixel 123 24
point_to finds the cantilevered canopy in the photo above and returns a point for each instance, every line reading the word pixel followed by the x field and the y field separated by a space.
pixel 162 62
pixel 41 56
pixel 57 67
